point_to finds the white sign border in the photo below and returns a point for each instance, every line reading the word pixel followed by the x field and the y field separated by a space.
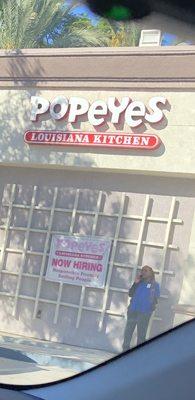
pixel 76 236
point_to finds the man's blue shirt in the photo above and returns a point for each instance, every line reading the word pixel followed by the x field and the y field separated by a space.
pixel 145 297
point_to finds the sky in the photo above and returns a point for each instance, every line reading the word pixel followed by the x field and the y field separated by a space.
pixel 83 9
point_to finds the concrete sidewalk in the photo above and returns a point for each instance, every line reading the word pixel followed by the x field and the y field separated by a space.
pixel 28 361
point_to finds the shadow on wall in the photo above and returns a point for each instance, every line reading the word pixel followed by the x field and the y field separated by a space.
pixel 23 70
pixel 26 254
pixel 42 326
pixel 188 295
pixel 15 119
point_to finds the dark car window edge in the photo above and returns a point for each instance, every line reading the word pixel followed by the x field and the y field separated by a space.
pixel 42 385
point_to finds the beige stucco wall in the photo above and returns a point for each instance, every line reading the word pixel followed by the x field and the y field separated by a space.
pixel 187 296
pixel 176 131
pixel 188 292
pixel 23 253
pixel 139 76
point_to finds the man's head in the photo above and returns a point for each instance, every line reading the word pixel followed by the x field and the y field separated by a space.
pixel 147 273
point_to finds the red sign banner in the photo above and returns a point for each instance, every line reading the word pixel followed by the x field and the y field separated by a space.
pixel 116 140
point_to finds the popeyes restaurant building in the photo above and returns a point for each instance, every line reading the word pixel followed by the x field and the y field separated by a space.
pixel 97 179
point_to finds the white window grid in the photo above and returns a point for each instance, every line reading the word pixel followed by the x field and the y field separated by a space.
pixel 139 243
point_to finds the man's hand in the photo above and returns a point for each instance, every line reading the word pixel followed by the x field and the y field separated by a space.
pixel 138 278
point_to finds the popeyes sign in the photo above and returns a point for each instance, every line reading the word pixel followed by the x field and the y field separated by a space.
pixel 61 108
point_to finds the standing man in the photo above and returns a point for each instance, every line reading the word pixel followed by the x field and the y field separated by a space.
pixel 144 295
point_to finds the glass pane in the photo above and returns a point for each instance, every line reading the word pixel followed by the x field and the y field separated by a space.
pixel 97 245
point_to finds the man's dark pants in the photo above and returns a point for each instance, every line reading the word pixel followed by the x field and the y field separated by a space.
pixel 139 320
